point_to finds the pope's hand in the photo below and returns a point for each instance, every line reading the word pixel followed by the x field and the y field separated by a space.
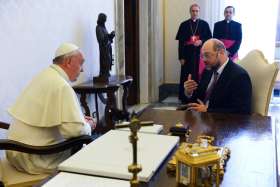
pixel 91 121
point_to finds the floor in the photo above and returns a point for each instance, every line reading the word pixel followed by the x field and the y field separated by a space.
pixel 274 107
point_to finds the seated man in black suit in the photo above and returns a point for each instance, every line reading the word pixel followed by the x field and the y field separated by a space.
pixel 225 87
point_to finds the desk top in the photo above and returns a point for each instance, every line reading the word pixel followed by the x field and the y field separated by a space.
pixel 252 161
pixel 114 81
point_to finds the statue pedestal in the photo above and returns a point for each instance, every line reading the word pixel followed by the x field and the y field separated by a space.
pixel 100 79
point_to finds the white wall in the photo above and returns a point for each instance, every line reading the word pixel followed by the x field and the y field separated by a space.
pixel 212 11
pixel 30 32
pixel 144 50
pixel 157 63
pixel 151 49
pixel 259 24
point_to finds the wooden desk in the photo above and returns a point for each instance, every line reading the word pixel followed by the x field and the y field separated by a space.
pixel 110 89
pixel 252 161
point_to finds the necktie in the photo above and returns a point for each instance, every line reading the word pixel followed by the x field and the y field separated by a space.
pixel 211 86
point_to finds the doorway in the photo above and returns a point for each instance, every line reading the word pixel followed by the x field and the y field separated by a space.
pixel 131 21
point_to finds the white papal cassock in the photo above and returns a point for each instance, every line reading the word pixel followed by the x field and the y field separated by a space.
pixel 47 112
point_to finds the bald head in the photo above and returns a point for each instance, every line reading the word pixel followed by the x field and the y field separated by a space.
pixel 214 53
pixel 215 44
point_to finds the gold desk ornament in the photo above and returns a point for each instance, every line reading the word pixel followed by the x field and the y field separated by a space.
pixel 225 154
pixel 205 140
pixel 199 164
pixel 171 165
pixel 134 126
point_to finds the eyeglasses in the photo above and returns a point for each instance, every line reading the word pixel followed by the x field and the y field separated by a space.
pixel 208 55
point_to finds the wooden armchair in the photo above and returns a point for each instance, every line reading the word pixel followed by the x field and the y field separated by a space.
pixel 10 177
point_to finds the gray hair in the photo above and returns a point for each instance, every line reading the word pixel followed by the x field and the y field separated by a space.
pixel 59 59
pixel 194 5
pixel 218 45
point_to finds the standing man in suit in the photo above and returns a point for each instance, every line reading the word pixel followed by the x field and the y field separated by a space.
pixel 191 35
pixel 225 87
pixel 229 32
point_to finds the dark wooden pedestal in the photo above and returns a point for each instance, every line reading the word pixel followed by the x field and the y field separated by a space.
pixel 110 87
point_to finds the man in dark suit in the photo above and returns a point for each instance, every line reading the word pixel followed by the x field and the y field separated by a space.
pixel 229 32
pixel 225 87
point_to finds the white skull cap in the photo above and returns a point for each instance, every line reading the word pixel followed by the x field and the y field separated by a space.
pixel 65 48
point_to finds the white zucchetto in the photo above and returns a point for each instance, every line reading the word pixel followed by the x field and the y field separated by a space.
pixel 65 48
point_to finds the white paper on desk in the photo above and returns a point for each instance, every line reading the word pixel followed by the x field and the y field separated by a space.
pixel 64 179
pixel 154 129
pixel 111 154
pixel 165 108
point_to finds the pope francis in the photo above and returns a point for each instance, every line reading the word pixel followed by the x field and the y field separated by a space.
pixel 48 112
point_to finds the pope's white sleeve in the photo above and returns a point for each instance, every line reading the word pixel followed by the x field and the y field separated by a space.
pixel 71 130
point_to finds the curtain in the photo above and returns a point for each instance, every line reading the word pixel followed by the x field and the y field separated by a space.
pixel 212 11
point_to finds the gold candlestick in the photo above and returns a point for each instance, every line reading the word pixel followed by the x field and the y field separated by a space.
pixel 134 126
pixel 134 168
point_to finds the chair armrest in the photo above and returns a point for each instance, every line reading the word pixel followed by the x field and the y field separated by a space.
pixel 6 144
pixel 4 125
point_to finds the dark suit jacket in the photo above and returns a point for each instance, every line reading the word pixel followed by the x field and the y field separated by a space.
pixel 184 33
pixel 230 31
pixel 232 92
